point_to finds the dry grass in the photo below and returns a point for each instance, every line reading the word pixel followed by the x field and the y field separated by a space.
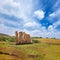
pixel 48 40
pixel 7 50
pixel 36 51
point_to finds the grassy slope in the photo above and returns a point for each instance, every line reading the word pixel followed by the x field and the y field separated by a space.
pixel 3 34
pixel 48 40
pixel 37 51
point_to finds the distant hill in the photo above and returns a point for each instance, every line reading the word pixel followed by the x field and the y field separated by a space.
pixel 5 37
pixel 1 34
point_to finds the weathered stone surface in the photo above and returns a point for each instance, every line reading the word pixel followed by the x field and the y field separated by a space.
pixel 22 37
pixel 16 33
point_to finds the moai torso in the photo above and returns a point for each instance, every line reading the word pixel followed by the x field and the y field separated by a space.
pixel 27 38
pixel 16 36
pixel 21 38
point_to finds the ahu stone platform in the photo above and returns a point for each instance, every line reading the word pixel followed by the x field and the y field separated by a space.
pixel 22 38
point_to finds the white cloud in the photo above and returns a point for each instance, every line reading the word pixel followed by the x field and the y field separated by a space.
pixel 51 28
pixel 55 14
pixel 56 5
pixel 23 9
pixel 11 3
pixel 7 30
pixel 31 24
pixel 20 8
pixel 41 32
pixel 54 17
pixel 8 6
pixel 51 33
pixel 39 14
pixel 10 22
pixel 56 24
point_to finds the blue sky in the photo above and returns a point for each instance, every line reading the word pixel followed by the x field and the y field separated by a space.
pixel 36 17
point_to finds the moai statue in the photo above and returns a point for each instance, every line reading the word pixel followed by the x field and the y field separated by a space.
pixel 16 36
pixel 24 37
pixel 27 38
pixel 20 38
pixel 24 41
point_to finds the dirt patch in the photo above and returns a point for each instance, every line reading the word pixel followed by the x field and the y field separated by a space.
pixel 33 56
pixel 8 54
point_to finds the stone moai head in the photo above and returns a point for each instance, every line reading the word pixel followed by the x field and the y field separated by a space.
pixel 20 34
pixel 16 33
pixel 28 36
pixel 22 37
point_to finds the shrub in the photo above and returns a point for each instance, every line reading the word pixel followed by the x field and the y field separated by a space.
pixel 47 37
pixel 54 38
pixel 41 37
pixel 2 38
pixel 35 41
pixel 11 39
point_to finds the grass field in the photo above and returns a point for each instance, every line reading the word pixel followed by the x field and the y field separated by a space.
pixel 47 49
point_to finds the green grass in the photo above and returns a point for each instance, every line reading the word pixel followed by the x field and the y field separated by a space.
pixel 41 49
pixel 36 51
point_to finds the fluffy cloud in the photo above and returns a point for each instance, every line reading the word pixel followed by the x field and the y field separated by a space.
pixel 55 18
pixel 20 8
pixel 39 14
pixel 51 28
pixel 9 6
pixel 56 5
pixel 26 11
pixel 55 14
pixel 31 24
pixel 56 24
pixel 7 30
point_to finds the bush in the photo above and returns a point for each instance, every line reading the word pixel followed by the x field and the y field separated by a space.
pixel 54 38
pixel 2 38
pixel 41 37
pixel 11 39
pixel 35 41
